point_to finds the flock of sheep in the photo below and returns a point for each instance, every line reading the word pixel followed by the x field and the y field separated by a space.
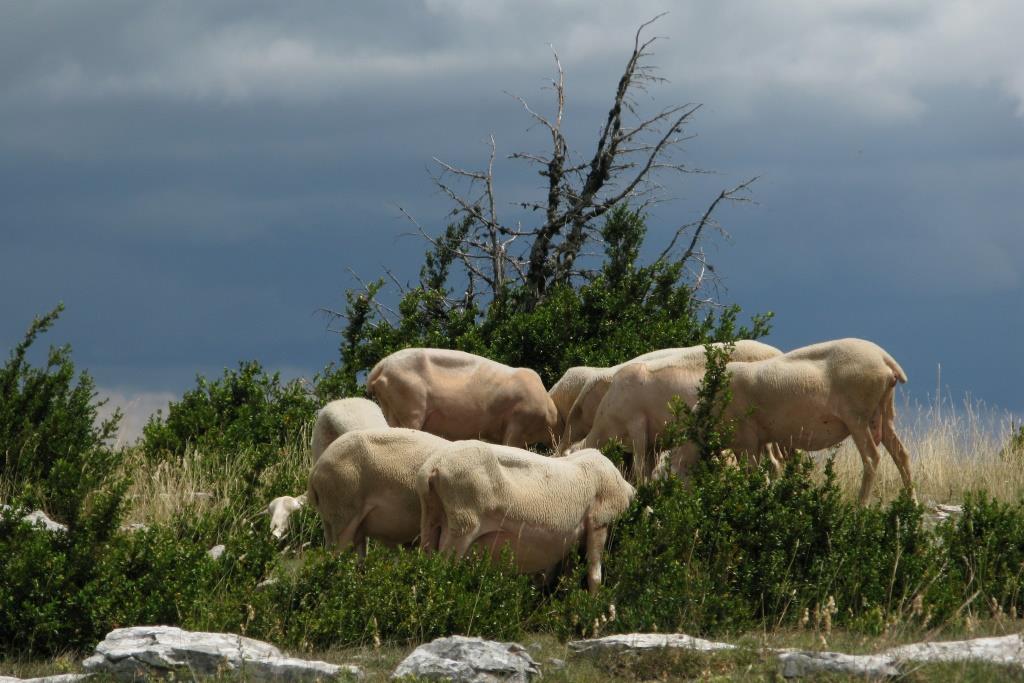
pixel 442 457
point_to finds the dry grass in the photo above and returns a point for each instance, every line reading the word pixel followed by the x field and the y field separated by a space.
pixel 160 491
pixel 954 449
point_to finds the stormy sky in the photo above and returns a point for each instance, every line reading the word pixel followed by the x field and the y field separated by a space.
pixel 195 180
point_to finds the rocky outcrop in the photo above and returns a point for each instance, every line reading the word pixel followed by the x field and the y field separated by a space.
pixel 1006 650
pixel 800 664
pixel 469 660
pixel 147 652
pixel 645 642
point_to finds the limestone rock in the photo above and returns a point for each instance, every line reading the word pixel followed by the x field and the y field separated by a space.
pixel 799 664
pixel 152 652
pixel 645 642
pixel 216 551
pixel 1002 650
pixel 469 660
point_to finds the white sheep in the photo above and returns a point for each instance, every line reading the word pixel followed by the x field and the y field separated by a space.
pixel 567 389
pixel 460 395
pixel 334 419
pixel 689 360
pixel 341 416
pixel 814 397
pixel 364 486
pixel 475 494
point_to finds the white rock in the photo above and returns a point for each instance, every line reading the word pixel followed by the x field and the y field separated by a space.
pixel 645 642
pixel 216 551
pixel 1002 650
pixel 38 518
pixel 469 660
pixel 799 664
pixel 133 527
pixel 59 678
pixel 143 652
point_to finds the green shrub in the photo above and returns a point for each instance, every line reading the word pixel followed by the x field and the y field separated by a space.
pixel 54 449
pixel 396 596
pixel 246 408
pixel 984 558
pixel 735 551
pixel 67 590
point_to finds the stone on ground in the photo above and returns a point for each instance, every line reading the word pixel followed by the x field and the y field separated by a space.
pixel 143 652
pixel 645 642
pixel 469 660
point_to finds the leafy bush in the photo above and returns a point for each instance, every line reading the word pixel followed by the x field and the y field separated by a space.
pixel 984 557
pixel 246 408
pixel 396 596
pixel 54 449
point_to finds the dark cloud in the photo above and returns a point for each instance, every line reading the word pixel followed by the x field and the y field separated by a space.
pixel 196 182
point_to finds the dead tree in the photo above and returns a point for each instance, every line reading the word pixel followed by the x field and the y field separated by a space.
pixel 630 155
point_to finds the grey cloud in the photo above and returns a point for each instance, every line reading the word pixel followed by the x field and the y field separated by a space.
pixel 194 180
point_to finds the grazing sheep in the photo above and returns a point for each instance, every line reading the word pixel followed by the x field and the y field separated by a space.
pixel 566 390
pixel 475 494
pixel 341 416
pixel 280 510
pixel 364 486
pixel 458 395
pixel 813 398
pixel 580 418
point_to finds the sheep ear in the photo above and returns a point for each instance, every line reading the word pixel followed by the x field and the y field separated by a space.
pixel 263 511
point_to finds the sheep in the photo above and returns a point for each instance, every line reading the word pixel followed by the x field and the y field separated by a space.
pixel 280 510
pixel 364 486
pixel 813 398
pixel 334 419
pixel 485 496
pixel 341 416
pixel 458 395
pixel 580 419
pixel 566 390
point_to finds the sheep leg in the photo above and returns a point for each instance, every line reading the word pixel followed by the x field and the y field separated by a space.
pixel 596 537
pixel 900 456
pixel 869 457
pixel 775 457
pixel 637 431
pixel 352 534
pixel 892 443
pixel 432 525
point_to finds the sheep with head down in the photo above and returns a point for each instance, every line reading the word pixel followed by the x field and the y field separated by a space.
pixel 342 416
pixel 334 419
pixel 364 486
pixel 814 397
pixel 479 495
pixel 593 383
pixel 459 395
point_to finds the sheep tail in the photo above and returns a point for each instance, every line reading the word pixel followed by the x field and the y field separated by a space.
pixel 901 377
pixel 374 377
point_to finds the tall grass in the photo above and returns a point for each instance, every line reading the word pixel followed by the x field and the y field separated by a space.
pixel 160 490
